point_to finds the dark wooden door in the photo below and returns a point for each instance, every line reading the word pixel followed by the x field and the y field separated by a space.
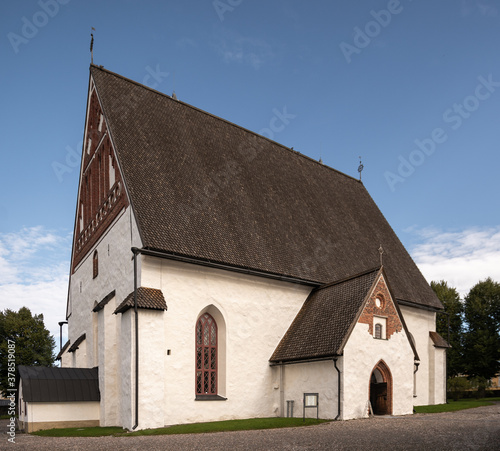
pixel 378 398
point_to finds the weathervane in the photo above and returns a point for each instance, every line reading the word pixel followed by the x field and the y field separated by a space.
pixel 360 168
pixel 92 47
pixel 381 251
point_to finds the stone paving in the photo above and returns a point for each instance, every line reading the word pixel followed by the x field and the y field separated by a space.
pixel 473 429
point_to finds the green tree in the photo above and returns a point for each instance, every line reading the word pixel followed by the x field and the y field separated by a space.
pixel 482 337
pixel 30 342
pixel 454 309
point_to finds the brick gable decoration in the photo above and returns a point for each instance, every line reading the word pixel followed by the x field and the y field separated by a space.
pixel 101 193
pixel 381 304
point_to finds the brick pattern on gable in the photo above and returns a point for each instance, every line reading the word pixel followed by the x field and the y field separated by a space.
pixel 100 198
pixel 387 310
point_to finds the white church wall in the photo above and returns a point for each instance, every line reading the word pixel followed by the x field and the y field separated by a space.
pixel 419 323
pixel 313 377
pixel 81 355
pixel 361 354
pixel 438 376
pixel 115 273
pixel 125 366
pixel 151 368
pixel 257 313
pixel 108 365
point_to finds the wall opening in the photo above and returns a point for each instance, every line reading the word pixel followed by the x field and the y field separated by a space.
pixel 381 389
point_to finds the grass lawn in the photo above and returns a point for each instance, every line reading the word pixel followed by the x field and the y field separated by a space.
pixel 195 428
pixel 452 406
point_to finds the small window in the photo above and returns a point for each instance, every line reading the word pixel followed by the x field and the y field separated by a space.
pixel 379 327
pixel 95 265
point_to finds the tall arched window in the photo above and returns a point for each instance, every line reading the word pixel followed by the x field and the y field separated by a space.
pixel 378 330
pixel 206 355
pixel 95 265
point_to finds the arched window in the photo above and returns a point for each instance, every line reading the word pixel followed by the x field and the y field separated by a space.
pixel 95 265
pixel 378 330
pixel 206 355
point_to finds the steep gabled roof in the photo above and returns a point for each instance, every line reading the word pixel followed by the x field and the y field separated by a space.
pixel 320 328
pixel 52 384
pixel 205 188
pixel 325 322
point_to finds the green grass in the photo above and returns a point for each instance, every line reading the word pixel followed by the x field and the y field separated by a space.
pixel 195 428
pixel 79 432
pixel 453 406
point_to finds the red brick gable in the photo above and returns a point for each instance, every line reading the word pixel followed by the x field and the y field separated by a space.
pixel 386 310
pixel 101 194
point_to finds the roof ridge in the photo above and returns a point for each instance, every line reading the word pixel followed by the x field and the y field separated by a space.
pixel 293 151
pixel 346 279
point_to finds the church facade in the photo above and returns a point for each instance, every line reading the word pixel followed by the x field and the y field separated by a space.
pixel 217 274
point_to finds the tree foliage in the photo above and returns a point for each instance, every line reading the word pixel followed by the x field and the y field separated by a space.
pixel 453 307
pixel 33 343
pixel 482 337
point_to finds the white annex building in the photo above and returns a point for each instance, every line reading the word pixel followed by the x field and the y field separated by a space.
pixel 217 274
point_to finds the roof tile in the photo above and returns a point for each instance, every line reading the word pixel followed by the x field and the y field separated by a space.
pixel 205 188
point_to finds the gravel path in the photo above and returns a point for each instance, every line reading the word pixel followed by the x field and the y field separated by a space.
pixel 473 429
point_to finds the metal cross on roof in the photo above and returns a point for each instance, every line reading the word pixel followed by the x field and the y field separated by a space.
pixel 360 168
pixel 381 251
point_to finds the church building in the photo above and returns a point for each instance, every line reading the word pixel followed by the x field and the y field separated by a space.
pixel 217 274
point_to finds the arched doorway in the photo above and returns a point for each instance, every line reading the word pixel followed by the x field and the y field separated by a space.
pixel 381 389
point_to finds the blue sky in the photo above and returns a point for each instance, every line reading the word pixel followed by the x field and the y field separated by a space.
pixel 413 87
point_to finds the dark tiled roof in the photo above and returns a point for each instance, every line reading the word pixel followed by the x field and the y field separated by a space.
pixel 324 321
pixel 148 298
pixel 205 188
pixel 77 343
pixel 438 340
pixel 61 352
pixel 44 384
pixel 105 300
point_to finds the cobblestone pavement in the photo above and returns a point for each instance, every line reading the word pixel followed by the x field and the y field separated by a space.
pixel 473 429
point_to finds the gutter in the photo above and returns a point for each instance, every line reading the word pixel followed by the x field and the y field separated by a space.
pixel 338 390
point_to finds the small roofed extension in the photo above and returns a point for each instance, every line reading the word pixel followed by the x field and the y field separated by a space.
pixel 267 260
pixel 57 397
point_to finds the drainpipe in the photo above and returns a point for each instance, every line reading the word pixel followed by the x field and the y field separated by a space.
pixel 415 379
pixel 61 323
pixel 282 391
pixel 338 391
pixel 136 252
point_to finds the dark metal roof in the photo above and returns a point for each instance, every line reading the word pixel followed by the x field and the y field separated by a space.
pixel 205 188
pixel 52 384
pixel 77 343
pixel 324 321
pixel 438 340
pixel 147 298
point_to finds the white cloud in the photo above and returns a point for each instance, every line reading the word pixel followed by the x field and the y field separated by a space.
pixel 250 51
pixel 461 258
pixel 34 264
pixel 483 7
